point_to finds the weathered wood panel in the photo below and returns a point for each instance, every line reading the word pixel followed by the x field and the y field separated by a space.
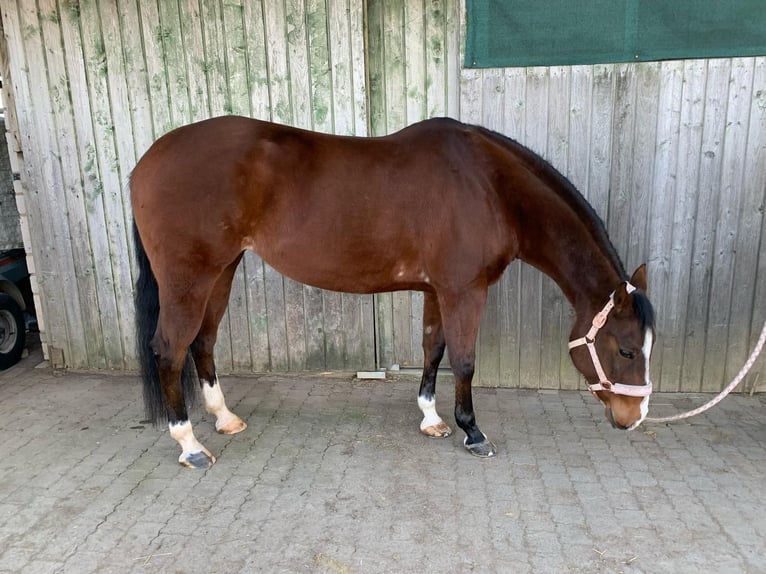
pixel 670 154
pixel 96 82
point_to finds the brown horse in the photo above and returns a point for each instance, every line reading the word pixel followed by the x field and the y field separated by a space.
pixel 439 207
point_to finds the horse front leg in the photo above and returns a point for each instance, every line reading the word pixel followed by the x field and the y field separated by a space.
pixel 432 424
pixel 461 314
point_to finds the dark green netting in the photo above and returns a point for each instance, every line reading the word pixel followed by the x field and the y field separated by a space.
pixel 566 32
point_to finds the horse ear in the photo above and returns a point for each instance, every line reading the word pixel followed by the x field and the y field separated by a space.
pixel 638 280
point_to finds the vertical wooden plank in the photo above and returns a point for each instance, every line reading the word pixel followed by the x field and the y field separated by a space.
pixel 621 177
pixel 333 329
pixel 255 293
pixel 237 81
pixel 54 259
pixel 553 332
pixel 734 147
pixel 394 62
pixel 509 287
pixel 136 80
pixel 436 15
pixel 714 120
pixel 119 131
pixel 174 59
pixel 376 77
pixel 298 64
pixel 257 61
pixel 644 140
pixel 535 137
pixel 665 176
pixel 63 118
pixel 275 21
pixel 155 68
pixel 454 11
pixel 359 331
pixel 276 320
pixel 750 271
pixel 600 156
pixel 319 66
pixel 191 26
pixel 295 321
pixel 357 30
pixel 415 61
pixel 673 301
pixel 314 328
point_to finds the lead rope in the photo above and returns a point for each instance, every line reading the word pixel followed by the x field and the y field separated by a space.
pixel 732 385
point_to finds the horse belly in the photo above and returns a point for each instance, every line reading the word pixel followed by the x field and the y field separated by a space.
pixel 331 261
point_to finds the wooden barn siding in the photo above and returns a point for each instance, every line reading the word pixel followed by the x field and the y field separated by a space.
pixel 672 156
pixel 96 82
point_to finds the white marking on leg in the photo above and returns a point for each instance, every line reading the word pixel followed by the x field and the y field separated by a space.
pixel 430 416
pixel 225 420
pixel 429 329
pixel 183 434
pixel 647 351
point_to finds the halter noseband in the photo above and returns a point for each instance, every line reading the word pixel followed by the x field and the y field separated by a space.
pixel 589 340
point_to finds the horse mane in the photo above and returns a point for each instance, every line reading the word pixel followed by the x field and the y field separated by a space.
pixel 565 190
pixel 643 310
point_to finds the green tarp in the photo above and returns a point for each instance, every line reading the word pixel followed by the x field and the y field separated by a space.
pixel 566 32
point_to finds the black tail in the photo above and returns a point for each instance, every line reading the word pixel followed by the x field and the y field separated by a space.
pixel 147 303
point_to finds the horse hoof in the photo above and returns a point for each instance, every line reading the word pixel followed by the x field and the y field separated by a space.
pixel 232 426
pixel 483 449
pixel 201 459
pixel 439 430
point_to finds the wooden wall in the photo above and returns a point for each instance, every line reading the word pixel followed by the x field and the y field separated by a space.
pixel 672 155
pixel 95 82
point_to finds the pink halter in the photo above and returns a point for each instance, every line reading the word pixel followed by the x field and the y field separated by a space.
pixel 589 340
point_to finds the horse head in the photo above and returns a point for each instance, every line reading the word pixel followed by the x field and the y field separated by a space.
pixel 614 354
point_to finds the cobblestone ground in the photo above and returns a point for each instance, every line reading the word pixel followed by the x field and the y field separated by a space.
pixel 333 476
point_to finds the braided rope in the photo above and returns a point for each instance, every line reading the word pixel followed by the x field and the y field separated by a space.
pixel 736 381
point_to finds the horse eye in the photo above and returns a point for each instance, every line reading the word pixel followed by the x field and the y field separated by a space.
pixel 627 354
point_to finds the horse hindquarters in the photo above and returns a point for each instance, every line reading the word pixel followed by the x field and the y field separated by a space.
pixel 173 311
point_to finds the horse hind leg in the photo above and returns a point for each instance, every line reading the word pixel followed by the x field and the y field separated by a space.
pixel 202 349
pixel 175 329
pixel 432 424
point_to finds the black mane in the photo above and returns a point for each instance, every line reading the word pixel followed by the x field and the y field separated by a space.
pixel 567 191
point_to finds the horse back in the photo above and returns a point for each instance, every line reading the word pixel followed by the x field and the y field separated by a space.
pixel 344 213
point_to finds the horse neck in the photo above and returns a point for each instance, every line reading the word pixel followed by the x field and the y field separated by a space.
pixel 564 238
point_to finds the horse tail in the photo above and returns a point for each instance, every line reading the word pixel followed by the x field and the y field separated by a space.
pixel 147 303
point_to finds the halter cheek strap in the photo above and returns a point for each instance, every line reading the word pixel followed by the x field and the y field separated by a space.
pixel 589 340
